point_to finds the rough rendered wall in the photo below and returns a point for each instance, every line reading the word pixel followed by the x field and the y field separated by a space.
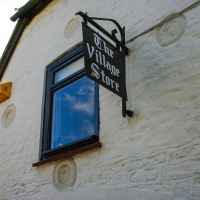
pixel 156 154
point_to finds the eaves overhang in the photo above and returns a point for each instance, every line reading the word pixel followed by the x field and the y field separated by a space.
pixel 24 15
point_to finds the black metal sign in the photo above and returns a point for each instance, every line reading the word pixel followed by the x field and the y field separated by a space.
pixel 104 63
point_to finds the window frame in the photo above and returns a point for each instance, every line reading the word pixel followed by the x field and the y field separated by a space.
pixel 50 87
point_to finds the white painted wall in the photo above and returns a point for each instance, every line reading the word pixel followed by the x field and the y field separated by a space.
pixel 156 154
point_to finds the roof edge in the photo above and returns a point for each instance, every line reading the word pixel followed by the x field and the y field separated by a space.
pixel 24 15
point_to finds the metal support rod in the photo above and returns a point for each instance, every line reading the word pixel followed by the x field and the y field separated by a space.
pixel 125 112
pixel 90 20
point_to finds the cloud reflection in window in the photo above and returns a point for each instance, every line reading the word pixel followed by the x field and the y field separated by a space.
pixel 73 112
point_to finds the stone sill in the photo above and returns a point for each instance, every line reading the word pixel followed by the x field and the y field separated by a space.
pixel 68 154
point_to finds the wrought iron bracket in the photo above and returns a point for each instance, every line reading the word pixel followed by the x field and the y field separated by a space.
pixel 112 36
pixel 120 44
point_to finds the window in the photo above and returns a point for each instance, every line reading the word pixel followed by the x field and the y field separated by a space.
pixel 71 107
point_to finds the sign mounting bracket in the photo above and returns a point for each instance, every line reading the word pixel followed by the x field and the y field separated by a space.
pixel 120 44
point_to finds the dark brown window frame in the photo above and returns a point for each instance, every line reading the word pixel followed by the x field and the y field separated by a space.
pixel 46 154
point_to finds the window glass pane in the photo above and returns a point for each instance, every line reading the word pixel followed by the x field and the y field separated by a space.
pixel 73 112
pixel 67 71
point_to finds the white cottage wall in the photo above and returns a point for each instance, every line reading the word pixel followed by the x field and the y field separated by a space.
pixel 155 154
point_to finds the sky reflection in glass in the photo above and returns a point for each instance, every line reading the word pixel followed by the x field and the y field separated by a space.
pixel 73 112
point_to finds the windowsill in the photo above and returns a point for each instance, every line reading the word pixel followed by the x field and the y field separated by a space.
pixel 68 154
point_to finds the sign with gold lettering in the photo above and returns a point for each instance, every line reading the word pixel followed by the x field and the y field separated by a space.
pixel 104 63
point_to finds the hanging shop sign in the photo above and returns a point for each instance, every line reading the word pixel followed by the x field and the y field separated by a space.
pixel 104 62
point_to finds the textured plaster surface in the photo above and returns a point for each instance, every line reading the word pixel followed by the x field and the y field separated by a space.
pixel 152 156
